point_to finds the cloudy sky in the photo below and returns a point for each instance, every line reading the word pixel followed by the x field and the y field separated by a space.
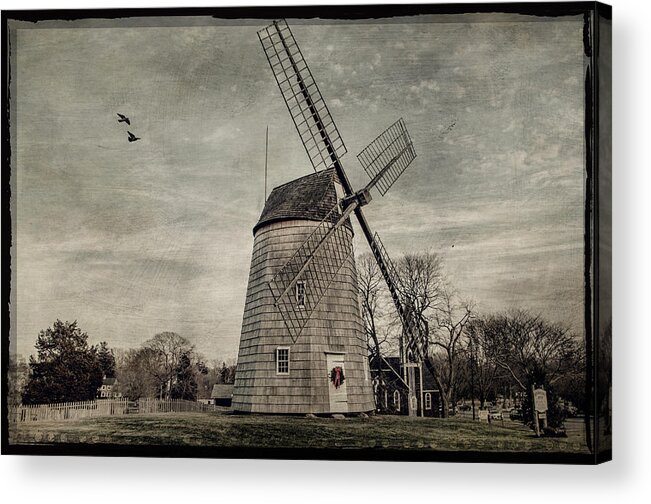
pixel 131 239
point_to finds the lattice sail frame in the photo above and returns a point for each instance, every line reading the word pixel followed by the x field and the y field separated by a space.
pixel 323 255
pixel 416 343
pixel 306 106
pixel 393 146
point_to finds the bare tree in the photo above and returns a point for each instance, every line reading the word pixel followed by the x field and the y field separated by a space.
pixel 484 371
pixel 17 378
pixel 154 369
pixel 422 288
pixel 378 324
pixel 165 351
pixel 421 280
pixel 530 349
pixel 370 281
pixel 140 374
pixel 447 344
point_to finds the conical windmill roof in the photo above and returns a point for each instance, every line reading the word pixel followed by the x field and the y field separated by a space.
pixel 306 198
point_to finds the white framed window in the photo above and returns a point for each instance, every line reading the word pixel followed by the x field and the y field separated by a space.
pixel 396 400
pixel 300 293
pixel 428 401
pixel 282 360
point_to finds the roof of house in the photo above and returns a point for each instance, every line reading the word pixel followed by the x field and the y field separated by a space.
pixel 393 364
pixel 387 363
pixel 307 198
pixel 429 382
pixel 109 381
pixel 222 391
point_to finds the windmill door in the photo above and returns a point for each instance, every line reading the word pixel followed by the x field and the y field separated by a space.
pixel 337 383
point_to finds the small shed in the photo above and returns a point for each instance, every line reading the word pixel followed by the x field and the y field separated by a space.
pixel 222 394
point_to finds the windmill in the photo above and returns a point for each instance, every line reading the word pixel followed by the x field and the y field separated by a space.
pixel 303 348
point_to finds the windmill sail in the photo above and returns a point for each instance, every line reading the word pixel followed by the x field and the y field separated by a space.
pixel 322 255
pixel 391 152
pixel 306 106
pixel 314 265
pixel 416 342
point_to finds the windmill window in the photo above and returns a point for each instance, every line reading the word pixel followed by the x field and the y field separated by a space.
pixel 396 400
pixel 300 294
pixel 428 401
pixel 282 360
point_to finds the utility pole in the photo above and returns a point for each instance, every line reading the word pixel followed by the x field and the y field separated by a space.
pixel 422 395
pixel 472 378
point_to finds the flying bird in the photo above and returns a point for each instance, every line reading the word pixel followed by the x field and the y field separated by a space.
pixel 132 137
pixel 448 129
pixel 123 118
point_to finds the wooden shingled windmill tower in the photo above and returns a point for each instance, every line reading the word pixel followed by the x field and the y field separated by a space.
pixel 303 347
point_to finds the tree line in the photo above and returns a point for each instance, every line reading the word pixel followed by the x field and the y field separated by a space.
pixel 66 369
pixel 169 367
pixel 468 353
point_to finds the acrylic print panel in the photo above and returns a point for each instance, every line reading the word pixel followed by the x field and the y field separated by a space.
pixel 162 173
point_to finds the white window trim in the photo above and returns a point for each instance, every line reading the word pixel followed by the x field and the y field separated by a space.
pixel 428 400
pixel 282 373
pixel 396 400
pixel 298 303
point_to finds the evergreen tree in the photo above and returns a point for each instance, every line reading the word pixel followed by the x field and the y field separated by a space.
pixel 106 359
pixel 227 373
pixel 185 383
pixel 65 368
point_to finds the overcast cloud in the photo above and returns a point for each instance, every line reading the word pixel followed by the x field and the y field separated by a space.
pixel 156 235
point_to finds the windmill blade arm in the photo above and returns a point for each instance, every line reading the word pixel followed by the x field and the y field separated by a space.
pixel 305 104
pixel 315 265
pixel 416 338
pixel 389 273
pixel 388 156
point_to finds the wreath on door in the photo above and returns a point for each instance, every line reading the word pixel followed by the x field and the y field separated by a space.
pixel 337 376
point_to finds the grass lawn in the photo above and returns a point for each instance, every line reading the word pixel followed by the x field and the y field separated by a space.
pixel 252 431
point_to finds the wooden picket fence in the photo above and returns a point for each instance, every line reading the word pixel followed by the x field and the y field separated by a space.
pixel 149 405
pixel 67 411
pixel 103 407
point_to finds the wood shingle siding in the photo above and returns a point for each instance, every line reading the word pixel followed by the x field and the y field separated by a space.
pixel 292 212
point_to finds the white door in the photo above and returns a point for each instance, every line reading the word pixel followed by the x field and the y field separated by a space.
pixel 337 383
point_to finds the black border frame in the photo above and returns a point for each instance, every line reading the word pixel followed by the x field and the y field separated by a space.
pixel 592 12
